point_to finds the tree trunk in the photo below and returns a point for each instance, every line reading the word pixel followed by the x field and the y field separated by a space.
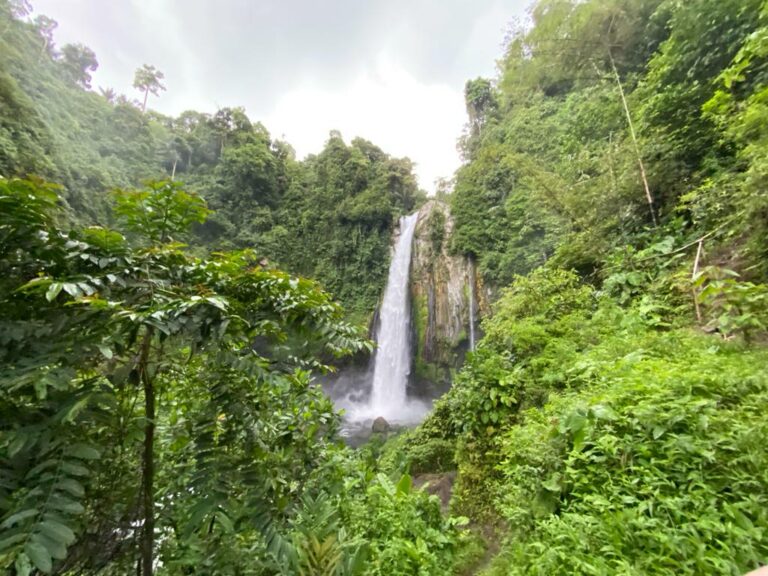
pixel 173 172
pixel 144 106
pixel 648 195
pixel 148 470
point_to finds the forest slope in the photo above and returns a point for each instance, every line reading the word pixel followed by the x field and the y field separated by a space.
pixel 614 193
pixel 328 217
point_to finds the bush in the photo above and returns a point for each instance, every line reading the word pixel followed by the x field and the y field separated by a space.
pixel 657 468
pixel 417 453
pixel 539 323
pixel 433 456
pixel 404 528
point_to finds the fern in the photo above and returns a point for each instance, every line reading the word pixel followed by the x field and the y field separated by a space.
pixel 320 558
pixel 46 492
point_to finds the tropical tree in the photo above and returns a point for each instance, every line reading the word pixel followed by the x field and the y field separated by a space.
pixel 96 326
pixel 79 61
pixel 148 80
pixel 45 27
pixel 480 102
pixel 109 94
pixel 16 8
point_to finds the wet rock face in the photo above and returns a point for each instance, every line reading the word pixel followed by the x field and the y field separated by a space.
pixel 440 292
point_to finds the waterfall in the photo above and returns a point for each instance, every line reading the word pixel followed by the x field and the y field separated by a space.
pixel 392 362
pixel 472 312
pixel 393 356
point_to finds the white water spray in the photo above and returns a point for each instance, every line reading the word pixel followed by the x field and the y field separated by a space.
pixel 472 312
pixel 392 363
pixel 393 357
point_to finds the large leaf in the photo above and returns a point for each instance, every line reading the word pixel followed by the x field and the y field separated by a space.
pixel 39 555
pixel 19 517
pixel 404 485
pixel 58 532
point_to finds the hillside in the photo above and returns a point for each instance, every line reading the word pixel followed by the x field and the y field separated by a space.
pixel 329 217
pixel 614 195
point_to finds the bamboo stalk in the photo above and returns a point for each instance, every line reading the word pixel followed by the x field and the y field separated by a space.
pixel 693 278
pixel 640 163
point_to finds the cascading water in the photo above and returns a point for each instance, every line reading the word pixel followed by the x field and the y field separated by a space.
pixel 392 363
pixel 393 356
pixel 472 312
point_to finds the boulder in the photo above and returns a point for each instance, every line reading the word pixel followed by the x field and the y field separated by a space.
pixel 440 485
pixel 380 426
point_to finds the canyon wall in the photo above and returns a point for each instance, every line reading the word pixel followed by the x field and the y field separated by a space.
pixel 440 296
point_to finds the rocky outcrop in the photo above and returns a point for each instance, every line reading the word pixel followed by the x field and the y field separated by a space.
pixel 440 296
pixel 380 426
pixel 440 485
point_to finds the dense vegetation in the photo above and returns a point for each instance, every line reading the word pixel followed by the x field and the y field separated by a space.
pixel 554 173
pixel 614 197
pixel 157 412
pixel 329 217
pixel 597 439
pixel 157 407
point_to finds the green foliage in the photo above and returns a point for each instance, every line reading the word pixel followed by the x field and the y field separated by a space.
pixel 554 173
pixel 157 408
pixel 606 445
pixel 436 231
pixel 738 109
pixel 234 443
pixel 158 405
pixel 470 554
pixel 24 139
pixel 533 329
pixel 674 110
pixel 655 469
pixel 329 217
pixel 161 212
pixel 415 452
pixel 51 126
pixel 594 429
pixel 79 62
pixel 432 456
pixel 93 326
pixel 407 532
pixel 734 307
pixel 148 80
pixel 481 103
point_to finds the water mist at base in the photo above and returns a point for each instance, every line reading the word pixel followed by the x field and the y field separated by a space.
pixel 392 362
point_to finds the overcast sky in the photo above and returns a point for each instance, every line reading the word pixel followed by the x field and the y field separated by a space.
pixel 390 71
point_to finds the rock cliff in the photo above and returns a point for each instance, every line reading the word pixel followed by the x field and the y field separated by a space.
pixel 441 287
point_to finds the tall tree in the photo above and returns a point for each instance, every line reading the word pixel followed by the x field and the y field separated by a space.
pixel 148 79
pixel 45 27
pixel 16 8
pixel 109 94
pixel 121 318
pixel 79 61
pixel 480 102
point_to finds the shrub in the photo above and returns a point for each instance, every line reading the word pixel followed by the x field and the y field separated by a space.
pixel 657 468
pixel 404 528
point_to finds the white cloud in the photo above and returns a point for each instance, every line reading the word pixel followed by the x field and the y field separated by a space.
pixel 385 105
